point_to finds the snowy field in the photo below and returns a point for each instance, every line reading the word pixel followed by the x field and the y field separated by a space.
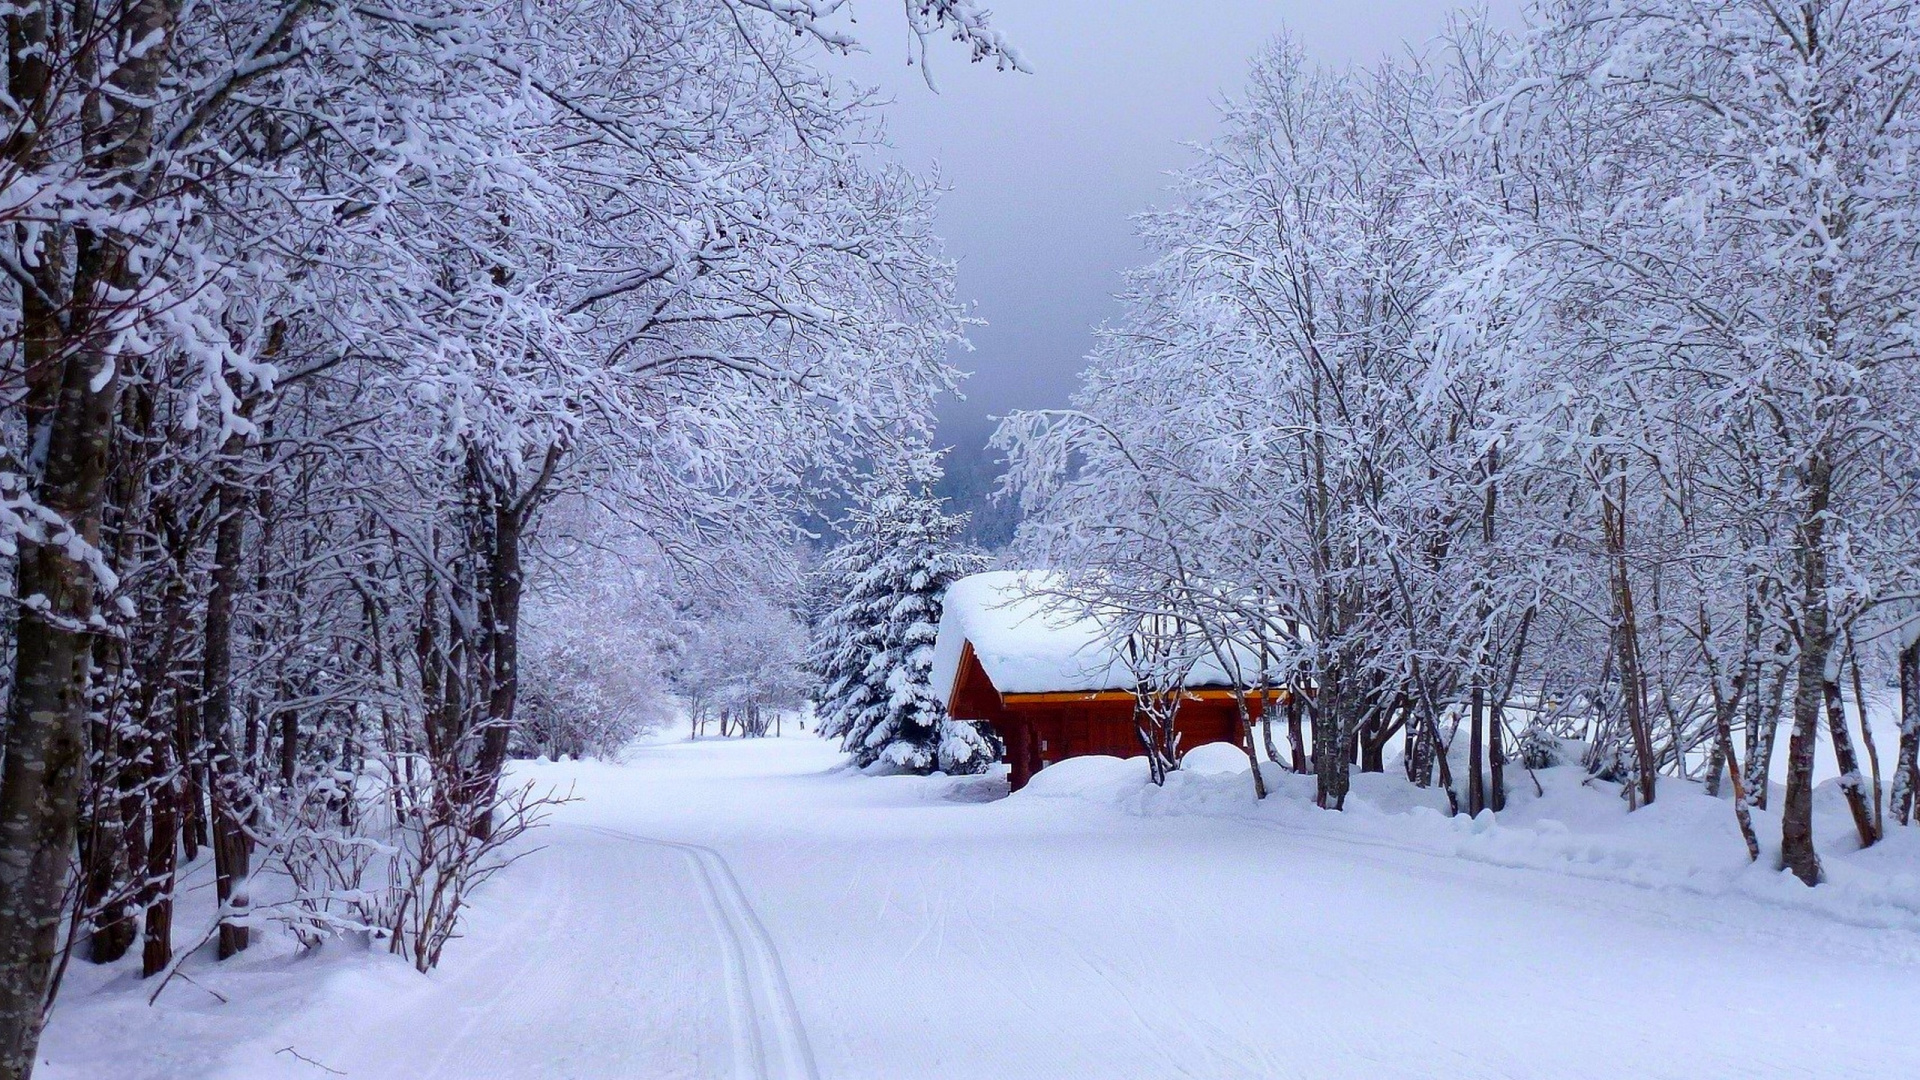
pixel 747 910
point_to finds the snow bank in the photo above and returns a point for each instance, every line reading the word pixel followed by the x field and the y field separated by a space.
pixel 217 1013
pixel 1576 827
pixel 1095 777
pixel 1215 757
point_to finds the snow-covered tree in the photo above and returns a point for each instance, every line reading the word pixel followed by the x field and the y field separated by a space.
pixel 311 314
pixel 591 685
pixel 742 662
pixel 1715 268
pixel 873 645
pixel 1291 270
pixel 1579 360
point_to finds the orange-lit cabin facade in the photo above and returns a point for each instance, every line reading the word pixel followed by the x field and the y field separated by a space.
pixel 1046 727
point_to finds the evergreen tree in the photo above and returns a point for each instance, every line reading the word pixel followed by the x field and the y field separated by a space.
pixel 873 644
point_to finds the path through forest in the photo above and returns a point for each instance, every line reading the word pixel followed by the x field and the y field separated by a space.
pixel 738 910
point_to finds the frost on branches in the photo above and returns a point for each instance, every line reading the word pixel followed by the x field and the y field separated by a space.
pixel 743 663
pixel 1586 366
pixel 873 647
pixel 312 318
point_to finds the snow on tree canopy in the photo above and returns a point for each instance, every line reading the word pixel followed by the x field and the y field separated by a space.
pixel 1032 638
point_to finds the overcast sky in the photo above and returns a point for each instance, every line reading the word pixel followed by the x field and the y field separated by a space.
pixel 1046 169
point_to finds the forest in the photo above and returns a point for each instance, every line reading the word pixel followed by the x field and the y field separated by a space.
pixel 351 351
pixel 1539 389
pixel 397 394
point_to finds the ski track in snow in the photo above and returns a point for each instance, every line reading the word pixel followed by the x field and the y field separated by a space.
pixel 532 940
pixel 769 1041
pixel 682 918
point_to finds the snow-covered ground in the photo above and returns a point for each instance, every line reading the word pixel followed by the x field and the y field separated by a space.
pixel 747 910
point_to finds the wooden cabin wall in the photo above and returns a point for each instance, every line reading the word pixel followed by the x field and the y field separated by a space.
pixel 1042 735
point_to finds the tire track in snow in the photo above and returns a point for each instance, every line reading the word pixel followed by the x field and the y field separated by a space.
pixel 769 1041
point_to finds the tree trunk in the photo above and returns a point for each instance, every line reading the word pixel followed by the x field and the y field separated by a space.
pixel 136 797
pixel 1296 740
pixel 156 894
pixel 45 737
pixel 1476 734
pixel 1627 641
pixel 193 778
pixel 232 849
pixel 1723 710
pixel 1496 800
pixel 1497 751
pixel 1816 641
pixel 1866 739
pixel 1849 763
pixel 289 747
pixel 70 407
pixel 504 583
pixel 1375 735
pixel 1246 744
pixel 1763 724
pixel 105 875
pixel 1906 768
pixel 1331 750
pixel 1446 767
pixel 502 530
pixel 1497 758
pixel 1423 736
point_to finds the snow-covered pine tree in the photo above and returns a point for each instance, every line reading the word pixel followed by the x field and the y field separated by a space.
pixel 873 645
pixel 845 633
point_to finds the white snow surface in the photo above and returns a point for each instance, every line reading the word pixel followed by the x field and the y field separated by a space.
pixel 1030 640
pixel 753 910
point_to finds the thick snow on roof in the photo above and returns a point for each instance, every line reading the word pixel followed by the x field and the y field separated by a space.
pixel 1030 641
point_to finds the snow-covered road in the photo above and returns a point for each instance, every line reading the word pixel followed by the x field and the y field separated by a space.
pixel 921 934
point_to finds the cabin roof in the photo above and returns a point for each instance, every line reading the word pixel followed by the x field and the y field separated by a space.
pixel 1029 642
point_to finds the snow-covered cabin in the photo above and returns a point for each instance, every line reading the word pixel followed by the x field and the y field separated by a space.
pixel 1051 682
